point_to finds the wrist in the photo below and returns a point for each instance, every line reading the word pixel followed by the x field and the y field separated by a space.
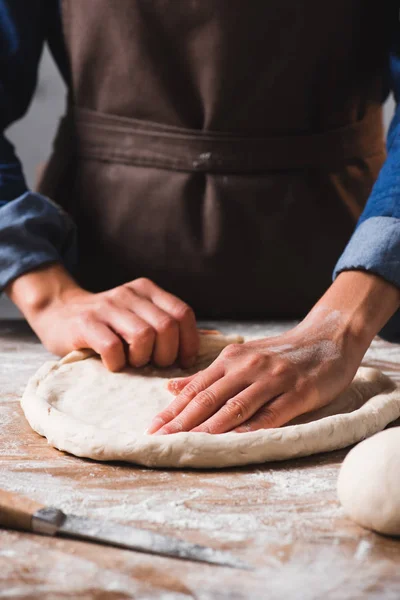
pixel 36 290
pixel 358 304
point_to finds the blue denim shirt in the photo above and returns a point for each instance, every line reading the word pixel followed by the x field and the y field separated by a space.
pixel 35 231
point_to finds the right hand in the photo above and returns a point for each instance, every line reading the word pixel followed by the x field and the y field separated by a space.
pixel 134 323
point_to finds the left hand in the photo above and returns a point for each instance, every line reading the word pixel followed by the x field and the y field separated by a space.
pixel 268 382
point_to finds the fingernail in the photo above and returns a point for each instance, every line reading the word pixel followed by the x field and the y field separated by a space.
pixel 146 431
pixel 243 429
pixel 156 423
pixel 159 432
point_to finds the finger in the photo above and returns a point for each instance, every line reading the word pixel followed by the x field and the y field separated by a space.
pixel 98 336
pixel 139 335
pixel 279 411
pixel 205 404
pixel 182 313
pixel 189 338
pixel 175 386
pixel 237 410
pixel 166 344
pixel 200 382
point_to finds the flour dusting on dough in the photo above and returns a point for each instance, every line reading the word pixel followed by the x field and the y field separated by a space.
pixel 102 415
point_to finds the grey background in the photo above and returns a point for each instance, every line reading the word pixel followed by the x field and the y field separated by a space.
pixel 32 135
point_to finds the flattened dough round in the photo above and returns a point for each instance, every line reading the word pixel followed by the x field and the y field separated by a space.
pixel 369 483
pixel 83 409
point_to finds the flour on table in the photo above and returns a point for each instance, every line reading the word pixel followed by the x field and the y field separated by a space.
pixel 82 408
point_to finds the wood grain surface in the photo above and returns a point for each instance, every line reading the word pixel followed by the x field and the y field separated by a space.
pixel 283 518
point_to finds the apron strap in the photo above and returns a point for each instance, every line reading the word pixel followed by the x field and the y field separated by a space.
pixel 116 139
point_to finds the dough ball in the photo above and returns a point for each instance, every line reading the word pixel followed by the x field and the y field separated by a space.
pixel 369 482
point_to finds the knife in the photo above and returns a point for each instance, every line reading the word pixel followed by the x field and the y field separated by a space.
pixel 24 514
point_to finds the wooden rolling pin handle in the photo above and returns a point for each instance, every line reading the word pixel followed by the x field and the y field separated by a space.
pixel 16 511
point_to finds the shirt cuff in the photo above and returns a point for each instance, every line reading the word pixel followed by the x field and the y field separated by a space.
pixel 375 247
pixel 34 231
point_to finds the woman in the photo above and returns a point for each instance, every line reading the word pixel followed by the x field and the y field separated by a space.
pixel 214 159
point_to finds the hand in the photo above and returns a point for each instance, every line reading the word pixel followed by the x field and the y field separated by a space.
pixel 260 384
pixel 269 382
pixel 136 323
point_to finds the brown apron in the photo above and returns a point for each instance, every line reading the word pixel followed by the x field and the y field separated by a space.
pixel 222 148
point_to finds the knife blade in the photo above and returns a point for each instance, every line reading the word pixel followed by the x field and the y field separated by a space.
pixel 19 512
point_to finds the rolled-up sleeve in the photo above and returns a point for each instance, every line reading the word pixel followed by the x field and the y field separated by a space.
pixel 33 230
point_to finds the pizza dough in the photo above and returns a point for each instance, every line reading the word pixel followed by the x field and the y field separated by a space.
pixel 83 409
pixel 369 483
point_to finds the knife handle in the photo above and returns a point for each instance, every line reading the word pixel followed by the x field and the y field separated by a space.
pixel 16 511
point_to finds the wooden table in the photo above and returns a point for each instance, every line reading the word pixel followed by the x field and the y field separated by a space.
pixel 283 518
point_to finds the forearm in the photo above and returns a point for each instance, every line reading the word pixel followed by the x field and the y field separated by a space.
pixel 374 247
pixel 358 304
